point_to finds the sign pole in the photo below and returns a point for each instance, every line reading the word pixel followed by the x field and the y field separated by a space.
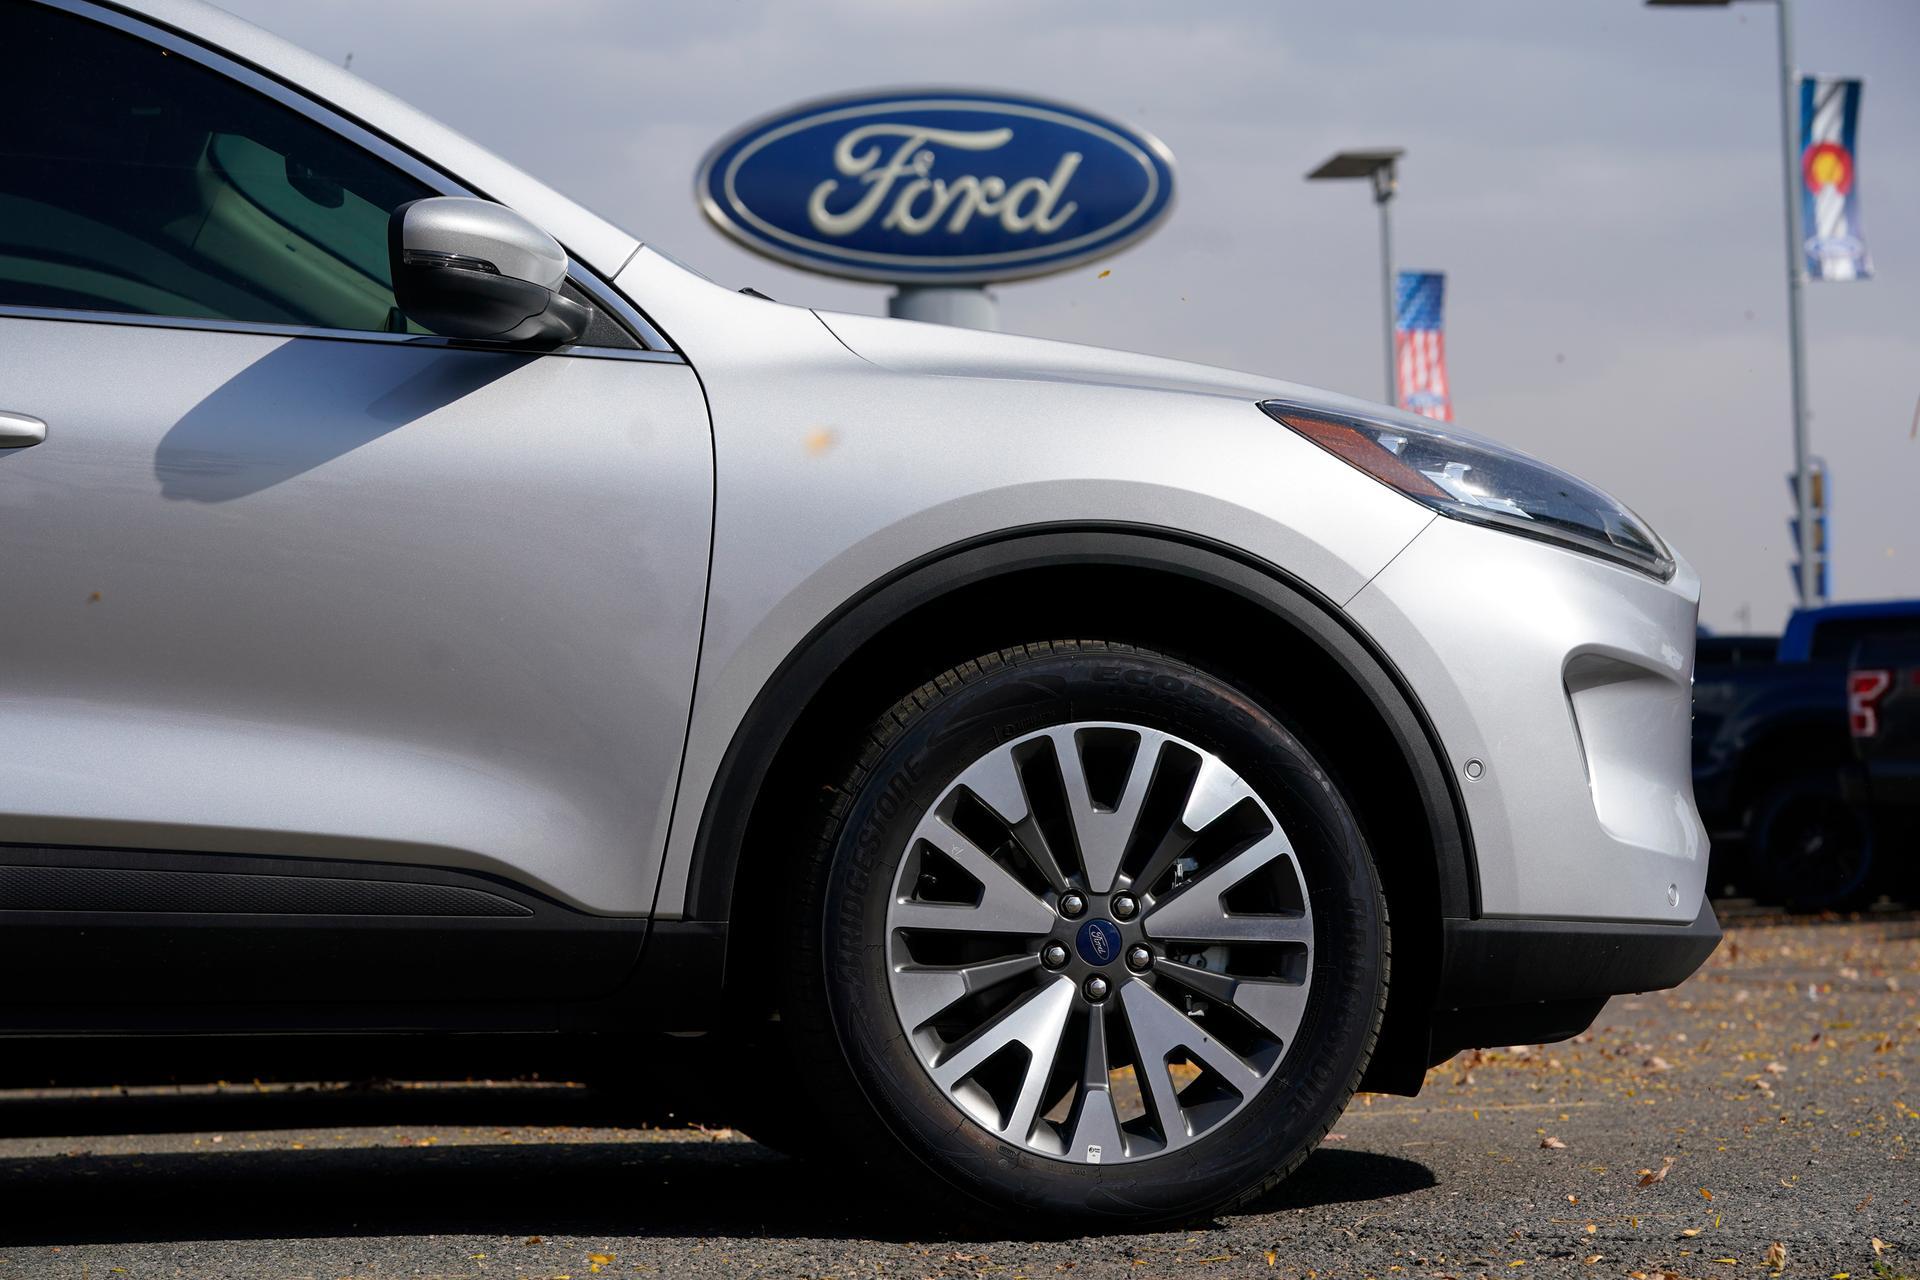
pixel 1809 577
pixel 1385 180
pixel 969 307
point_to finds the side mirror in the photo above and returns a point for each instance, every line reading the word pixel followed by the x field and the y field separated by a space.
pixel 465 268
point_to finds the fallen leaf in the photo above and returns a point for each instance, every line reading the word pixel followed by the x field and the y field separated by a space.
pixel 1270 1257
pixel 1705 1194
pixel 1689 1233
pixel 820 440
pixel 1650 1176
pixel 1553 1144
pixel 1776 1255
pixel 1879 1246
pixel 1593 1259
pixel 1104 274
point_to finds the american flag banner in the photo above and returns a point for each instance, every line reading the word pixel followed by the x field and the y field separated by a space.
pixel 1419 344
pixel 1829 119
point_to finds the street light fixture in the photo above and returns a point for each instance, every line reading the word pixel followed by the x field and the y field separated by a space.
pixel 1809 575
pixel 1381 166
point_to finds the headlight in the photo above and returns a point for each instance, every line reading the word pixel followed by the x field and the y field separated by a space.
pixel 1480 481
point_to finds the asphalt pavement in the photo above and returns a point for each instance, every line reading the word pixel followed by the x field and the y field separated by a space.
pixel 1758 1120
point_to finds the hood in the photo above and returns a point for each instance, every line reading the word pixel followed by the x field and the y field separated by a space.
pixel 910 346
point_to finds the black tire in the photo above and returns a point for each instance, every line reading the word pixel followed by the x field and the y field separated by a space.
pixel 1813 849
pixel 875 1096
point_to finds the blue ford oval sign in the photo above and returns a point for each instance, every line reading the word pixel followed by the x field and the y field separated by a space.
pixel 936 187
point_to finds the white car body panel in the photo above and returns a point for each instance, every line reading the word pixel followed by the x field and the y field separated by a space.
pixel 1570 680
pixel 1021 445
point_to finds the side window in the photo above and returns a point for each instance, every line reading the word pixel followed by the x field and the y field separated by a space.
pixel 136 180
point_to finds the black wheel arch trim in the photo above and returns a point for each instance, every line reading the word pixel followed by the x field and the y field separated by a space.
pixel 726 815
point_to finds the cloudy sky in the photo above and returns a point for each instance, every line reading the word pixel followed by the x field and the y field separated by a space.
pixel 1600 181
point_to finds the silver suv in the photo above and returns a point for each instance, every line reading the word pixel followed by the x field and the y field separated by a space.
pixel 426 609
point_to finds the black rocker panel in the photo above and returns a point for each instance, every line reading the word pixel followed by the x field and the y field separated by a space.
pixel 114 939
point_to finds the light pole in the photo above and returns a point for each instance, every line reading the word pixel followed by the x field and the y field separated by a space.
pixel 1380 165
pixel 1809 576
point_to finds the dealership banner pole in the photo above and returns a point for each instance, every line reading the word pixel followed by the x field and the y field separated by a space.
pixel 1809 569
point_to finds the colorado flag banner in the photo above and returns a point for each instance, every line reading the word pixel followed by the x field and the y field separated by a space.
pixel 1419 345
pixel 1829 117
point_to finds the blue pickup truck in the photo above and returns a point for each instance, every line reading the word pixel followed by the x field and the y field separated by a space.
pixel 1883 715
pixel 1774 767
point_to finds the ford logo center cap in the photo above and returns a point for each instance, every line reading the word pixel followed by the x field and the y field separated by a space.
pixel 1099 942
pixel 936 186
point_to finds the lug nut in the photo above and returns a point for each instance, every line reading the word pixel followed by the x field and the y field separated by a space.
pixel 1139 959
pixel 1096 988
pixel 1124 906
pixel 1072 905
pixel 1053 955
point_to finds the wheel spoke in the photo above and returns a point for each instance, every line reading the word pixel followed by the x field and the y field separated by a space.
pixel 1160 1031
pixel 1093 1130
pixel 1216 789
pixel 1103 833
pixel 1196 913
pixel 1173 843
pixel 1036 1023
pixel 924 992
pixel 995 781
pixel 1005 906
pixel 1151 1045
pixel 1275 1005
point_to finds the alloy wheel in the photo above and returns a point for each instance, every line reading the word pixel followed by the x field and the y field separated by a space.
pixel 1100 945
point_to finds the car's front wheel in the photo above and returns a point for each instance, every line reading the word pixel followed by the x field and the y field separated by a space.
pixel 1088 933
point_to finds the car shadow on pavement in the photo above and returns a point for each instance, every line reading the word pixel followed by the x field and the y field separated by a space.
pixel 71 1114
pixel 487 1182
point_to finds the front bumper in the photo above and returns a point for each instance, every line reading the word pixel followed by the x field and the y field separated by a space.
pixel 1559 687
pixel 1536 981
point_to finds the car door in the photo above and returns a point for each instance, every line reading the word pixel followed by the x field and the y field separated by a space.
pixel 310 621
